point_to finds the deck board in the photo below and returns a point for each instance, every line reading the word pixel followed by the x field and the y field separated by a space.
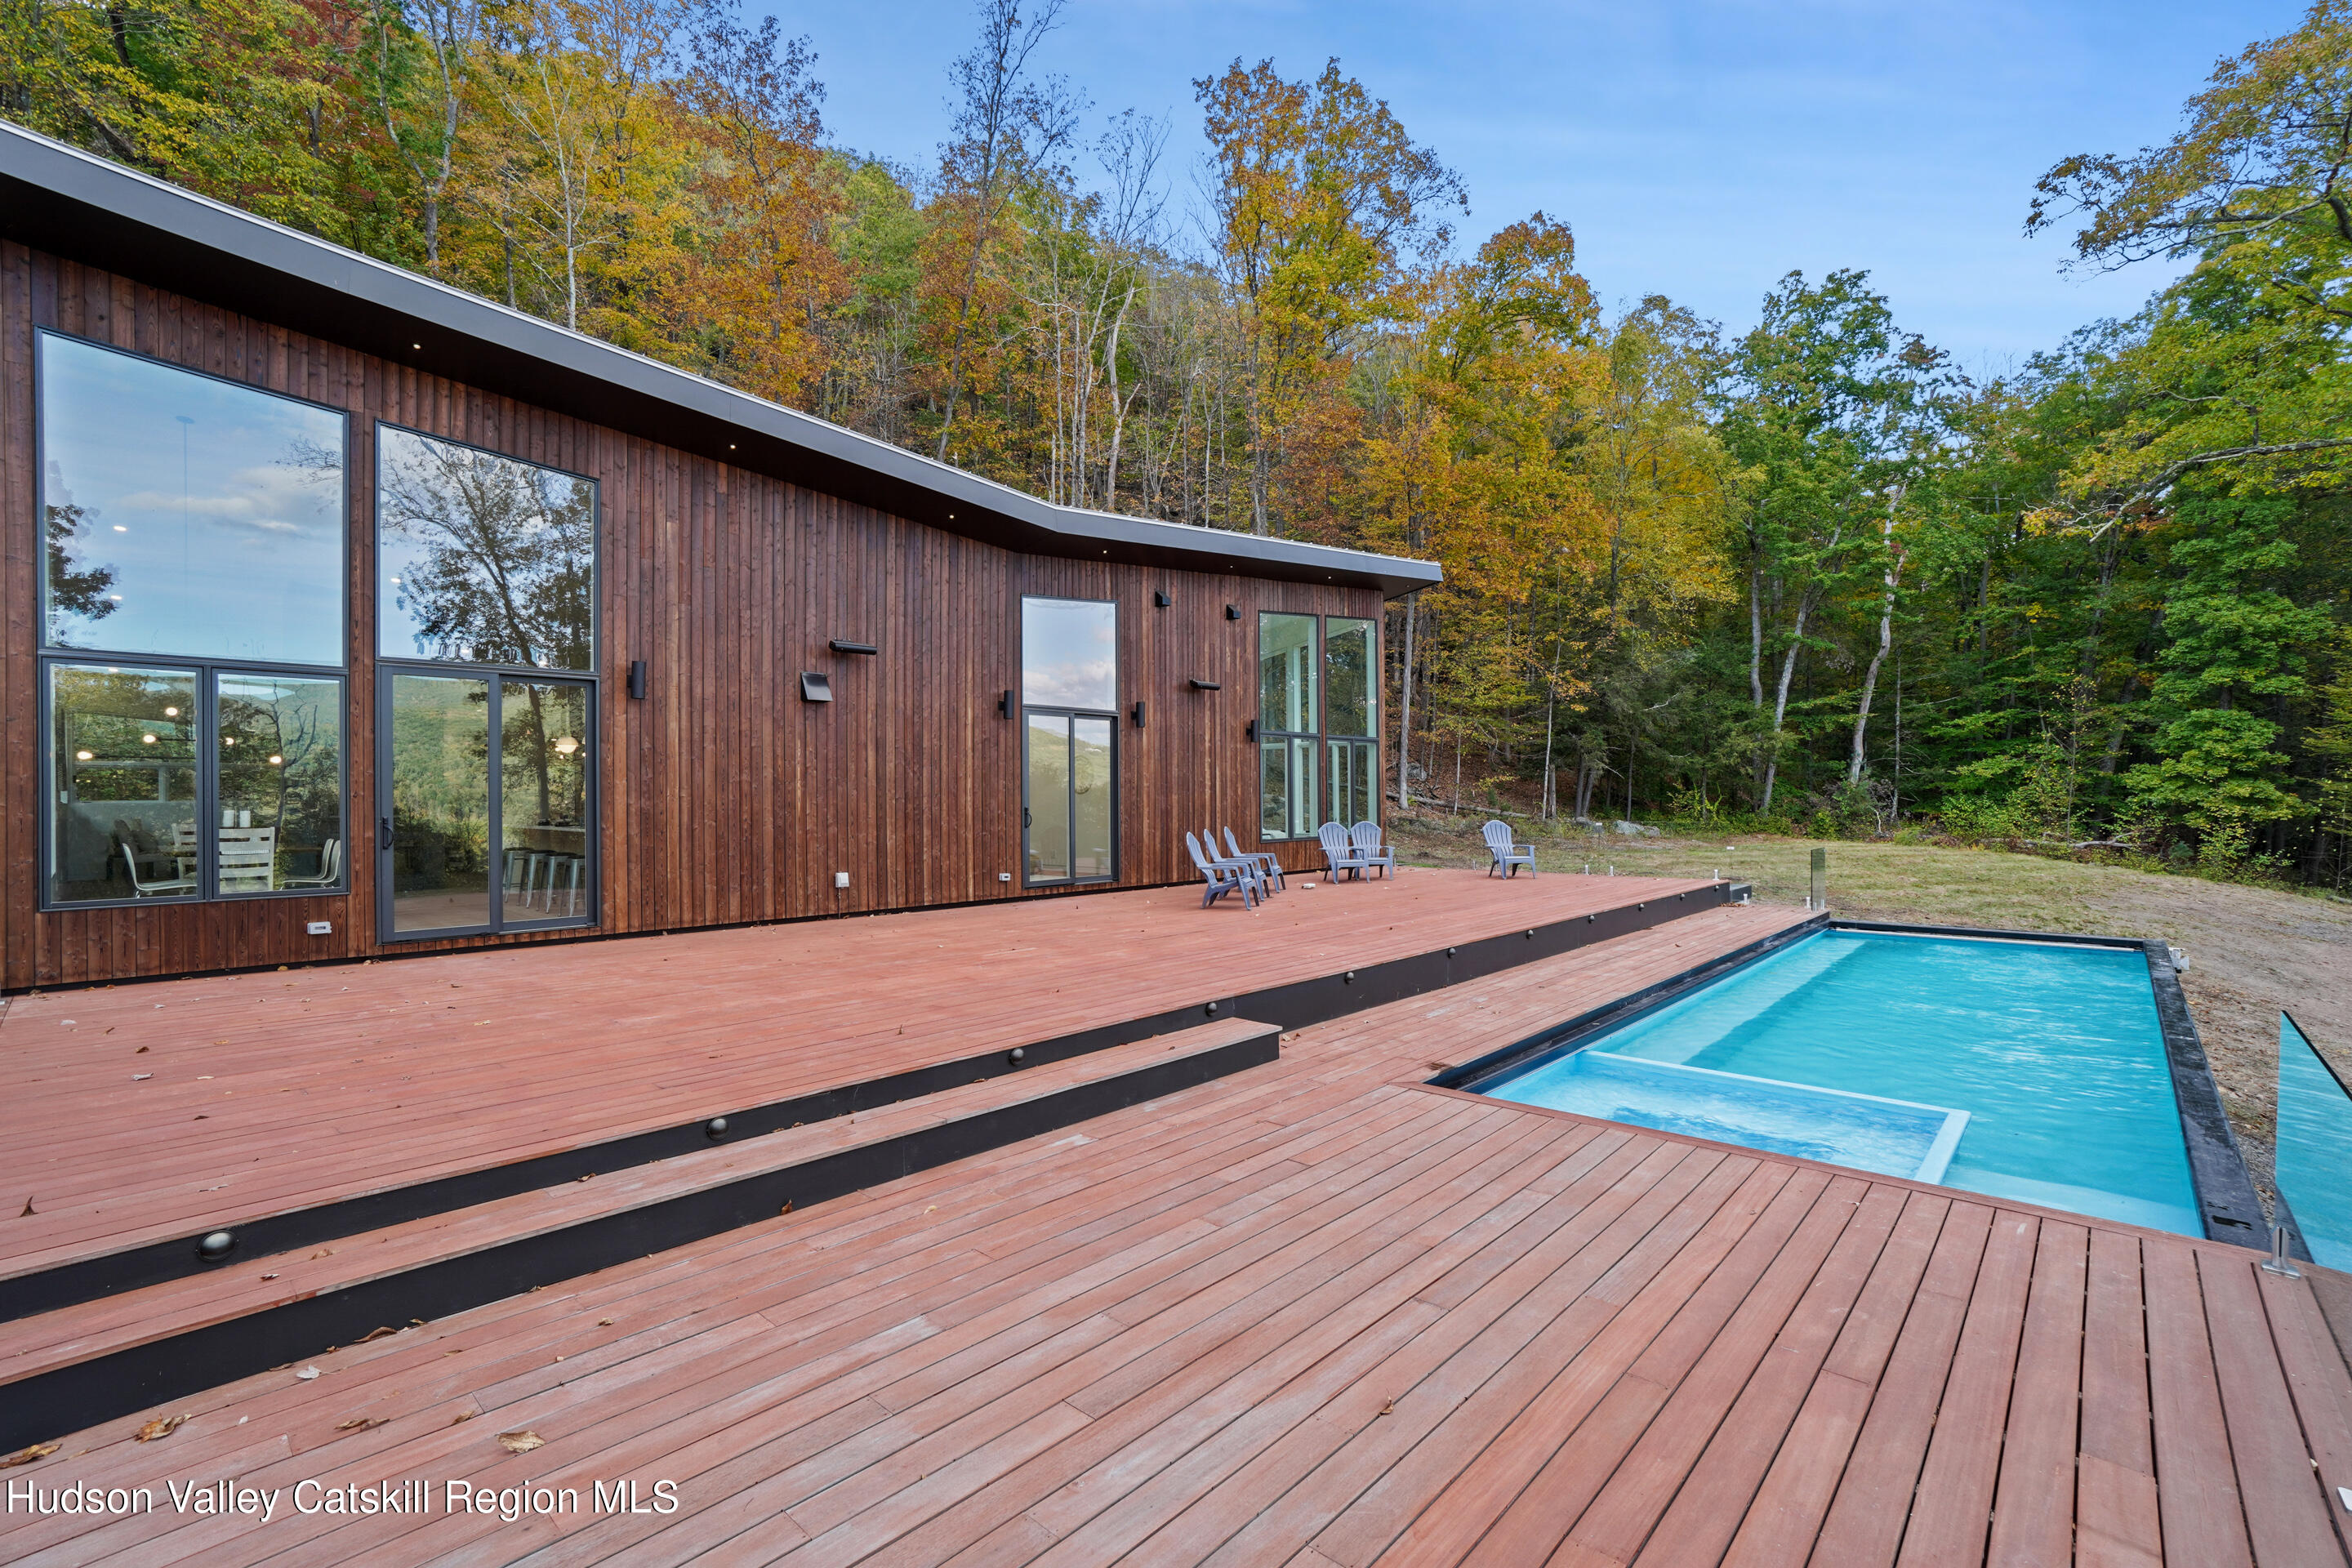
pixel 266 1092
pixel 1318 1313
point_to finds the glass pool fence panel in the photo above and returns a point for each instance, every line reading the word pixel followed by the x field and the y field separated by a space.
pixel 2314 1147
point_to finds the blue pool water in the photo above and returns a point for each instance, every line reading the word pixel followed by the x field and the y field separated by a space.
pixel 2053 1053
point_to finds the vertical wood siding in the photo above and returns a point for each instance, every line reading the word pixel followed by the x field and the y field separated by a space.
pixel 724 797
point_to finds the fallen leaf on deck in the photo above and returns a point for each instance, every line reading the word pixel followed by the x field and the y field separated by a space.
pixel 307 1373
pixel 604 1322
pixel 1388 1406
pixel 28 1209
pixel 361 1422
pixel 787 1208
pixel 520 1442
pixel 141 1077
pixel 26 1456
pixel 140 1052
pixel 374 1334
pixel 159 1428
pixel 464 1416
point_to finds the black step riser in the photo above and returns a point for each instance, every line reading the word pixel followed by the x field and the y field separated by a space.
pixel 1293 1006
pixel 73 1397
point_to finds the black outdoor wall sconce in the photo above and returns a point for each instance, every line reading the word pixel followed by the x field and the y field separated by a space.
pixel 1233 612
pixel 840 647
pixel 637 679
pixel 1138 715
pixel 815 687
pixel 1004 706
pixel 1162 599
pixel 1201 685
pixel 1252 730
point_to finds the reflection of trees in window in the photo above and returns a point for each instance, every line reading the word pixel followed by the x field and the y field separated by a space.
pixel 75 589
pixel 281 759
pixel 541 744
pixel 491 559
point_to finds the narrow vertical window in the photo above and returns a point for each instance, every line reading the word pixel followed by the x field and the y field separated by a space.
pixel 1069 697
pixel 1288 734
pixel 1352 726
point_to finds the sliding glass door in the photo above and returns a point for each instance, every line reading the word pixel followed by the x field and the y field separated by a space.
pixel 1068 821
pixel 490 822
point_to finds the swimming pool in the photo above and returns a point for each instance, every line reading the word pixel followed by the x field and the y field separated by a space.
pixel 1870 1045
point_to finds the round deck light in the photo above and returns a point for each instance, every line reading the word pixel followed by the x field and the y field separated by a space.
pixel 716 1126
pixel 215 1247
pixel 83 756
pixel 1016 1055
pixel 567 744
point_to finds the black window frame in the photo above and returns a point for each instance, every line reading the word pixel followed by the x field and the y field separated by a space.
pixel 495 677
pixel 1322 736
pixel 207 667
pixel 1112 714
pixel 41 510
pixel 206 765
pixel 388 666
pixel 1332 738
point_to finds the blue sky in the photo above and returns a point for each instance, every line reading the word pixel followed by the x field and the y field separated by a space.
pixel 1700 149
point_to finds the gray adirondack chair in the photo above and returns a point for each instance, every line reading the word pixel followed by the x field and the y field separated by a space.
pixel 1365 838
pixel 1269 868
pixel 1507 857
pixel 1339 851
pixel 1223 877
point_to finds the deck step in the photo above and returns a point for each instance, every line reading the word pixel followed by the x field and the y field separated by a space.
pixel 74 1366
pixel 293 1223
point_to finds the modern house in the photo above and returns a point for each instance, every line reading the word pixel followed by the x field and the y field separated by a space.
pixel 348 614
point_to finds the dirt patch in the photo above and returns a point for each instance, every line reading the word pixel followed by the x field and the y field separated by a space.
pixel 2252 950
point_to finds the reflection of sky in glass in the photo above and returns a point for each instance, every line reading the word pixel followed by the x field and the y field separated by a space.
pixel 1069 654
pixel 481 558
pixel 218 509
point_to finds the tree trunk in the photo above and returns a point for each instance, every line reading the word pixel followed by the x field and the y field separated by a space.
pixel 1404 716
pixel 1885 639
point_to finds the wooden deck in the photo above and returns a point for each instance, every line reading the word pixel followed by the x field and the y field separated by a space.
pixel 1318 1314
pixel 136 1113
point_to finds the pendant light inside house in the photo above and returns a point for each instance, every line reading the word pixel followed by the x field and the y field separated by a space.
pixel 567 744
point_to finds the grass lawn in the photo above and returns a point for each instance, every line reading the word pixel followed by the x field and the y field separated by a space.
pixel 2252 950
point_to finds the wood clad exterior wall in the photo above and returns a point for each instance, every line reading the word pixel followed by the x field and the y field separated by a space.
pixel 724 797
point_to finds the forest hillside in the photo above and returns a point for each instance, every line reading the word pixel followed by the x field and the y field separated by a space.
pixel 1797 573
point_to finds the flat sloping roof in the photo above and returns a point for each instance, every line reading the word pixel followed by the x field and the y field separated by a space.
pixel 59 199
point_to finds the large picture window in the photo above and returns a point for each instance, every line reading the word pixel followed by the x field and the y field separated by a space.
pixel 144 758
pixel 486 567
pixel 186 516
pixel 1318 723
pixel 192 573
